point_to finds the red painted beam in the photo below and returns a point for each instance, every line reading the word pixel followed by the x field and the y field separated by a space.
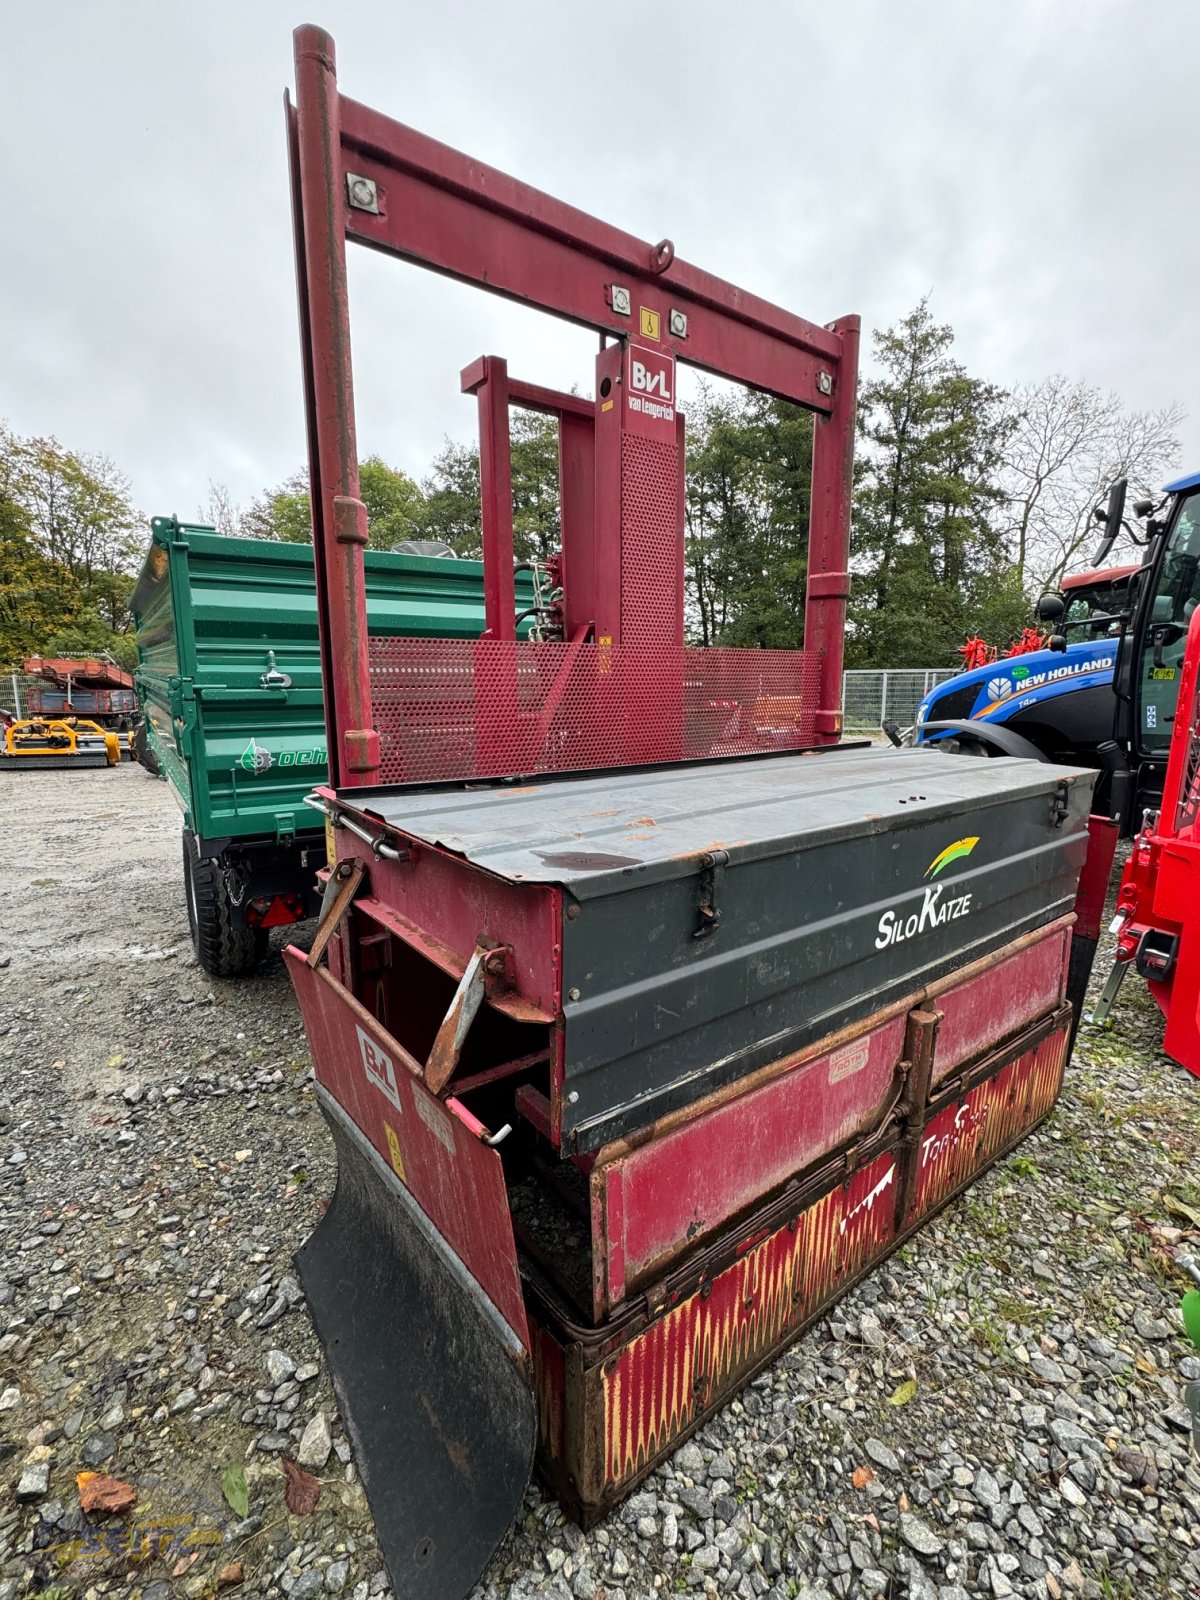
pixel 444 210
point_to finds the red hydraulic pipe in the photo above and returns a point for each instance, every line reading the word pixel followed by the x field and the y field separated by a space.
pixel 828 586
pixel 339 516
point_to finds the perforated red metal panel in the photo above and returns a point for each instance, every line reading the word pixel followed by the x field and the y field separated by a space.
pixel 651 541
pixel 449 708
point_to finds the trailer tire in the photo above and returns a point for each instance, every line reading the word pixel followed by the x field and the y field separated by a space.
pixel 223 946
pixel 142 752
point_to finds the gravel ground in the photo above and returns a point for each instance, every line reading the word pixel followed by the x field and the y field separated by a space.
pixel 162 1158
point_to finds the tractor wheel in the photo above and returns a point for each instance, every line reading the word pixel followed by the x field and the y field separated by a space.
pixel 223 947
pixel 142 752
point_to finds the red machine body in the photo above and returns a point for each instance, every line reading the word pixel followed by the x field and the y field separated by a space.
pixel 83 687
pixel 1155 919
pixel 644 1019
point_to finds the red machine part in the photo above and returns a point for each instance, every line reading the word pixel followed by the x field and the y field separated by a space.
pixel 448 708
pixel 831 1155
pixel 1160 886
pixel 358 175
pixel 89 672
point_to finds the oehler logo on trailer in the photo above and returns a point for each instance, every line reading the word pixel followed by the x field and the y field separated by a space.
pixel 936 905
pixel 258 759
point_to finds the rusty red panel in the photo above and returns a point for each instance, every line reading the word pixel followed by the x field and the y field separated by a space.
pixel 444 907
pixel 672 1192
pixel 550 1382
pixel 454 1177
pixel 671 1371
pixel 1001 1000
pixel 694 1354
pixel 444 708
pixel 968 1133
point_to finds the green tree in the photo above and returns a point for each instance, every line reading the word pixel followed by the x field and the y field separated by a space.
pixel 453 498
pixel 77 538
pixel 749 476
pixel 90 635
pixel 393 500
pixel 79 506
pixel 537 525
pixel 929 565
pixel 37 595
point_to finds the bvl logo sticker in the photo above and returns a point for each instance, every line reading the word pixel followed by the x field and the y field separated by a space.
pixel 650 382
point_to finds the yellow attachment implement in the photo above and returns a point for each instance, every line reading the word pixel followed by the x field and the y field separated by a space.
pixel 44 744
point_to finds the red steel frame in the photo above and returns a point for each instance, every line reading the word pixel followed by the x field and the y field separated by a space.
pixel 1161 880
pixel 443 210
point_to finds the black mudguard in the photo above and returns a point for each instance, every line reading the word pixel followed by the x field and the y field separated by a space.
pixel 435 1393
pixel 1002 739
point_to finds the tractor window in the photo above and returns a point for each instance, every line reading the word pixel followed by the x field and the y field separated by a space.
pixel 1175 598
pixel 1100 600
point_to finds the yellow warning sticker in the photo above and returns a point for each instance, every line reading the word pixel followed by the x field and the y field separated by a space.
pixel 393 1145
pixel 649 322
pixel 330 843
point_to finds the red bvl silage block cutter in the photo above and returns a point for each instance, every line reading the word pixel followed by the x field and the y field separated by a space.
pixel 646 1017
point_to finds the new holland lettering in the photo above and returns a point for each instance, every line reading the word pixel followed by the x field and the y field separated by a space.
pixel 933 912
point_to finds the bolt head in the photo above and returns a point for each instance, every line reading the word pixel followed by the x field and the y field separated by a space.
pixel 622 302
pixel 572 994
pixel 678 324
pixel 362 193
pixel 825 382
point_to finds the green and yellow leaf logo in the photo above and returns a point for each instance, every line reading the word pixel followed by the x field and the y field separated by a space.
pixel 952 852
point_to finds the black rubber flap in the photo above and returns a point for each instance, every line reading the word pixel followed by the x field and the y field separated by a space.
pixel 433 1386
pixel 63 763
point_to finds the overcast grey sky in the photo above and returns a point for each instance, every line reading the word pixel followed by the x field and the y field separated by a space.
pixel 1031 164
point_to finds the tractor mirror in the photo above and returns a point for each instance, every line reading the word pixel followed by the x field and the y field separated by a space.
pixel 1110 515
pixel 1051 607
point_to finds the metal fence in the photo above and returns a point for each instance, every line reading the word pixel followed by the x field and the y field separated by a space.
pixel 870 697
pixel 14 692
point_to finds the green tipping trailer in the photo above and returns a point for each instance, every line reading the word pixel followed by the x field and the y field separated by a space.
pixel 229 686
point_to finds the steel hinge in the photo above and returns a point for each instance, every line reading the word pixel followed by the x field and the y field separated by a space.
pixel 1060 804
pixel 712 877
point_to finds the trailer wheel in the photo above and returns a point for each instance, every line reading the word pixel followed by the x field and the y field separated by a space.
pixel 223 947
pixel 142 752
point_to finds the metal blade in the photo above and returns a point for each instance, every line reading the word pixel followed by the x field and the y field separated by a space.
pixel 434 1389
